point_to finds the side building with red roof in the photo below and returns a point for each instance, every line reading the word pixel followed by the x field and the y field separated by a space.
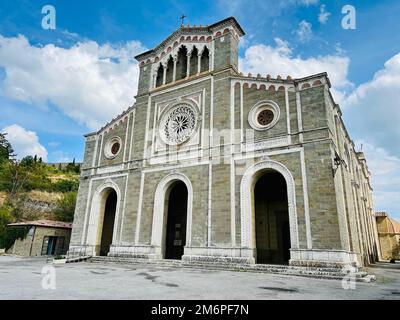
pixel 388 233
pixel 42 237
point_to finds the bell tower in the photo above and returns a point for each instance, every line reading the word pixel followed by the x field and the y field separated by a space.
pixel 190 52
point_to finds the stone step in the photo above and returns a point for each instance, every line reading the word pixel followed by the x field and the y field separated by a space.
pixel 322 273
pixel 219 265
pixel 78 259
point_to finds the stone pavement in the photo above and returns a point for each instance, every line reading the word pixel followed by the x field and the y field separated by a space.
pixel 21 278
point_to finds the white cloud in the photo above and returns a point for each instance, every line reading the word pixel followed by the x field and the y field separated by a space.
pixel 60 156
pixel 90 83
pixel 372 116
pixel 24 142
pixel 385 170
pixel 323 15
pixel 307 2
pixel 280 60
pixel 54 144
pixel 372 109
pixel 304 31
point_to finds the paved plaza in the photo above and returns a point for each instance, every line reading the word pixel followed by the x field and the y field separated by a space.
pixel 23 278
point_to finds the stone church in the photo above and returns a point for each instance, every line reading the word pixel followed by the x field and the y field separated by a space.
pixel 211 165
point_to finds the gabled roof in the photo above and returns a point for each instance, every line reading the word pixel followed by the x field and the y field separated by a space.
pixel 192 29
pixel 43 223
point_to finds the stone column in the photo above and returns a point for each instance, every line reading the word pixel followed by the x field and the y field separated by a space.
pixel 188 65
pixel 175 58
pixel 165 73
pixel 155 79
pixel 209 62
pixel 199 63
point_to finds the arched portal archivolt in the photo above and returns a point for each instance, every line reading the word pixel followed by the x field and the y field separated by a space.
pixel 97 209
pixel 247 215
pixel 159 213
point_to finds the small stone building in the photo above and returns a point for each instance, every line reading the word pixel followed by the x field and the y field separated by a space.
pixel 44 237
pixel 388 233
pixel 210 164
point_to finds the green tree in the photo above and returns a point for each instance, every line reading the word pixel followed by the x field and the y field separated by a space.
pixel 8 235
pixel 6 150
pixel 13 178
pixel 5 218
pixel 66 207
pixel 396 252
pixel 27 161
pixel 73 167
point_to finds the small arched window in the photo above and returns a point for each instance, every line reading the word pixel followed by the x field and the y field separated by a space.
pixel 160 75
pixel 205 60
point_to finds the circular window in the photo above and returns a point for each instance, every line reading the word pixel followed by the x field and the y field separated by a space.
pixel 178 124
pixel 115 148
pixel 112 147
pixel 264 115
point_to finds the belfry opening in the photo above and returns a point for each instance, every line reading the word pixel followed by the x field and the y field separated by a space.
pixel 176 220
pixel 271 219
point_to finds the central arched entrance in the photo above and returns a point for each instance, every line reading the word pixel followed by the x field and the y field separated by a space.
pixel 175 239
pixel 272 235
pixel 108 222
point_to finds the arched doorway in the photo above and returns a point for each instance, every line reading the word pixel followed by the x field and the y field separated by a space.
pixel 175 234
pixel 247 206
pixel 107 227
pixel 272 235
pixel 163 214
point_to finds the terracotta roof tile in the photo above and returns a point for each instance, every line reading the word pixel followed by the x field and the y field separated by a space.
pixel 43 223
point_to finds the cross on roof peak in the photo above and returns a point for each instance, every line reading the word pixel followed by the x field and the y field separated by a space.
pixel 183 19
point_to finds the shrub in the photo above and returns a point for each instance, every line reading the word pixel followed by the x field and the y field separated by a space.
pixel 396 252
pixel 5 218
pixel 66 207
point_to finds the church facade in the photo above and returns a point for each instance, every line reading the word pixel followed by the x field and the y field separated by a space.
pixel 212 165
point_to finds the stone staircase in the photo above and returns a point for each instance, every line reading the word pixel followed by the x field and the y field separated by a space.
pixel 78 259
pixel 312 272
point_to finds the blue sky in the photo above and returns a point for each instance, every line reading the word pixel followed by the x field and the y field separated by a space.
pixel 363 65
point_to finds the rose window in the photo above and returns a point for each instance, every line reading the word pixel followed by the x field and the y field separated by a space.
pixel 115 148
pixel 112 147
pixel 265 117
pixel 178 124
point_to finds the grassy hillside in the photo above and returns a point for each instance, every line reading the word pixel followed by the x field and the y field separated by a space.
pixel 32 190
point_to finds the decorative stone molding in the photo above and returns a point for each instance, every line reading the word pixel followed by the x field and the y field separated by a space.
pixel 178 122
pixel 178 125
pixel 113 147
pixel 322 258
pixel 272 143
pixel 218 254
pixel 110 169
pixel 247 214
pixel 261 106
pixel 160 212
